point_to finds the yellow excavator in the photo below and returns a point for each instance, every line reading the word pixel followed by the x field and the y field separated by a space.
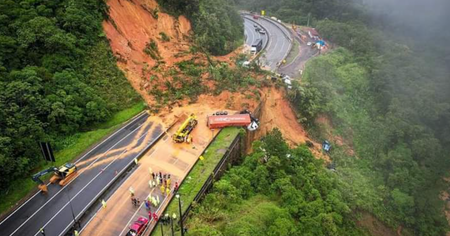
pixel 183 133
pixel 63 174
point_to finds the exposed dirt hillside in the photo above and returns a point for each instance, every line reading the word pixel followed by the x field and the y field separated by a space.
pixel 277 113
pixel 132 26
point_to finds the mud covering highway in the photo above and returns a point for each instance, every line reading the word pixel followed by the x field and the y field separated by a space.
pixel 166 157
pixel 279 43
pixel 97 169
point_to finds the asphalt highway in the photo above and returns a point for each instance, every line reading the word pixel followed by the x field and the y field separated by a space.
pixel 96 169
pixel 279 44
pixel 251 34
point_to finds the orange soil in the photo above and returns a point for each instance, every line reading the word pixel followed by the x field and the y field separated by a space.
pixel 277 113
pixel 131 27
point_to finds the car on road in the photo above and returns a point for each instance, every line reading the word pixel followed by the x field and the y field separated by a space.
pixel 138 227
pixel 262 32
pixel 256 26
pixel 258 29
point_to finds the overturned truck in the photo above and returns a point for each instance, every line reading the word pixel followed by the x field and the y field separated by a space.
pixel 243 119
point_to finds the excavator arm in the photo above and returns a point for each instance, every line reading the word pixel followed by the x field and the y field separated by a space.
pixel 37 178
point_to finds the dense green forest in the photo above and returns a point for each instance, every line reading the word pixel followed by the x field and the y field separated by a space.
pixel 217 26
pixel 57 77
pixel 276 191
pixel 386 91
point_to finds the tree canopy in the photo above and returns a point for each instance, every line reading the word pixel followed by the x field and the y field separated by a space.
pixel 275 191
pixel 217 26
pixel 57 75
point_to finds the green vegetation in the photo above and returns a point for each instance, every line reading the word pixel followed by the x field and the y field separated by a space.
pixel 187 82
pixel 231 79
pixel 275 191
pixel 155 13
pixel 151 49
pixel 58 77
pixel 217 26
pixel 201 171
pixel 294 52
pixel 164 37
pixel 69 148
pixel 387 100
pixel 386 94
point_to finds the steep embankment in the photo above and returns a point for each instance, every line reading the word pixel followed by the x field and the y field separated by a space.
pixel 135 25
pixel 132 27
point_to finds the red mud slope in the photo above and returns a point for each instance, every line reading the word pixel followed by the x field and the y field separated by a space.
pixel 131 26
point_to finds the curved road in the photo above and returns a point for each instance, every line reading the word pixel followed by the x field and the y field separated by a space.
pixel 251 35
pixel 279 44
pixel 97 169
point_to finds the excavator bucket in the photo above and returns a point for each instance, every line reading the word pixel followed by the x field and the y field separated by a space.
pixel 43 188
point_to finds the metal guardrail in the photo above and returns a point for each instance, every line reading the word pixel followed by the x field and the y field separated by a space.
pixel 154 226
pixel 265 29
pixel 212 176
pixel 282 29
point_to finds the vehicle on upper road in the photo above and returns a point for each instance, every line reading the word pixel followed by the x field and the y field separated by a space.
pixel 63 174
pixel 138 227
pixel 256 17
pixel 257 46
pixel 262 32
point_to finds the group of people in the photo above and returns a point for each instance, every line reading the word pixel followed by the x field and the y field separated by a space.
pixel 158 179
pixel 162 180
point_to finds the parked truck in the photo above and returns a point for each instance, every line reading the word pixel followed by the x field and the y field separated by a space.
pixel 257 46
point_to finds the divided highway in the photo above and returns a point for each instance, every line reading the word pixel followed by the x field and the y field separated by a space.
pixel 251 35
pixel 97 169
pixel 279 43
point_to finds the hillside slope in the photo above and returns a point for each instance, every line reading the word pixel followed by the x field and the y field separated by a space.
pixel 131 27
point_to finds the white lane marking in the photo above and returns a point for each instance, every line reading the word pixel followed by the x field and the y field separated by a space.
pixel 282 46
pixel 73 180
pixel 253 35
pixel 111 195
pixel 99 173
pixel 96 146
pixel 135 213
pixel 248 29
pixel 150 220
